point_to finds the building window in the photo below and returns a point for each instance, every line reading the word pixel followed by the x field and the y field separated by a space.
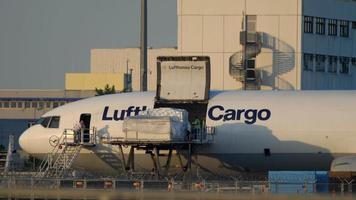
pixel 353 25
pixel 344 28
pixel 332 27
pixel 55 104
pixel 6 104
pixel 320 63
pixel 308 24
pixel 27 104
pixel 13 104
pixel 34 104
pixel 308 62
pixel 353 62
pixel 0 104
pixel 19 104
pixel 320 26
pixel 332 67
pixel 40 104
pixel 344 65
pixel 48 104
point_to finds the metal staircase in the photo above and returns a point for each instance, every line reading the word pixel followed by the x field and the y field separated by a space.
pixel 62 163
pixel 65 150
pixel 110 159
pixel 242 63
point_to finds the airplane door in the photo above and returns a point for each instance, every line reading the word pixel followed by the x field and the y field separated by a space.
pixel 86 132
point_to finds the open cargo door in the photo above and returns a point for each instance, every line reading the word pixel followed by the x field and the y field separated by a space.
pixel 183 78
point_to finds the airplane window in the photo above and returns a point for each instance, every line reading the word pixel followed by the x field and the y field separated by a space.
pixel 43 121
pixel 39 121
pixel 54 122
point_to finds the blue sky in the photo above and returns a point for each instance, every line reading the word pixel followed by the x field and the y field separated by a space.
pixel 41 40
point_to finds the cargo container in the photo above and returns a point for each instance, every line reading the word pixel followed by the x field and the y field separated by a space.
pixel 298 181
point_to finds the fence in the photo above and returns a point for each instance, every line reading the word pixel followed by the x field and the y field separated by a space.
pixel 210 186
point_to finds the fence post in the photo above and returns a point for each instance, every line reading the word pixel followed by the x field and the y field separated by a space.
pixel 342 189
pixel 349 187
pixel 236 186
pixel 94 129
pixel 81 136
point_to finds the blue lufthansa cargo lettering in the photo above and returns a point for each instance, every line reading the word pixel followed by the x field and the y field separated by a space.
pixel 250 116
pixel 211 110
pixel 118 115
pixel 105 114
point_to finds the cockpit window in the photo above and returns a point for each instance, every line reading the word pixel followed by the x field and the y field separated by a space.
pixel 54 122
pixel 43 121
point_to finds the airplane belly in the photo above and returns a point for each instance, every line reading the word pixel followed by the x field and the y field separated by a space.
pixel 213 164
pixel 219 164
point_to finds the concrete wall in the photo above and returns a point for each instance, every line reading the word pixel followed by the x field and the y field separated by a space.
pixel 330 45
pixel 212 28
pixel 90 81
pixel 118 60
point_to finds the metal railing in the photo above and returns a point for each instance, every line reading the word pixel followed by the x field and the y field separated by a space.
pixel 204 136
pixel 72 136
pixel 9 156
pixel 198 136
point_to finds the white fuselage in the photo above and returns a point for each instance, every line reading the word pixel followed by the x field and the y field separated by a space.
pixel 254 130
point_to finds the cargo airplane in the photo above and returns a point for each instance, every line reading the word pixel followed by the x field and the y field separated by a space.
pixel 254 130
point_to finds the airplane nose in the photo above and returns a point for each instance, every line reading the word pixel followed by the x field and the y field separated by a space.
pixel 24 140
pixel 34 141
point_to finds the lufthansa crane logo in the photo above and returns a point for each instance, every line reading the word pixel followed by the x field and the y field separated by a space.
pixel 54 140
